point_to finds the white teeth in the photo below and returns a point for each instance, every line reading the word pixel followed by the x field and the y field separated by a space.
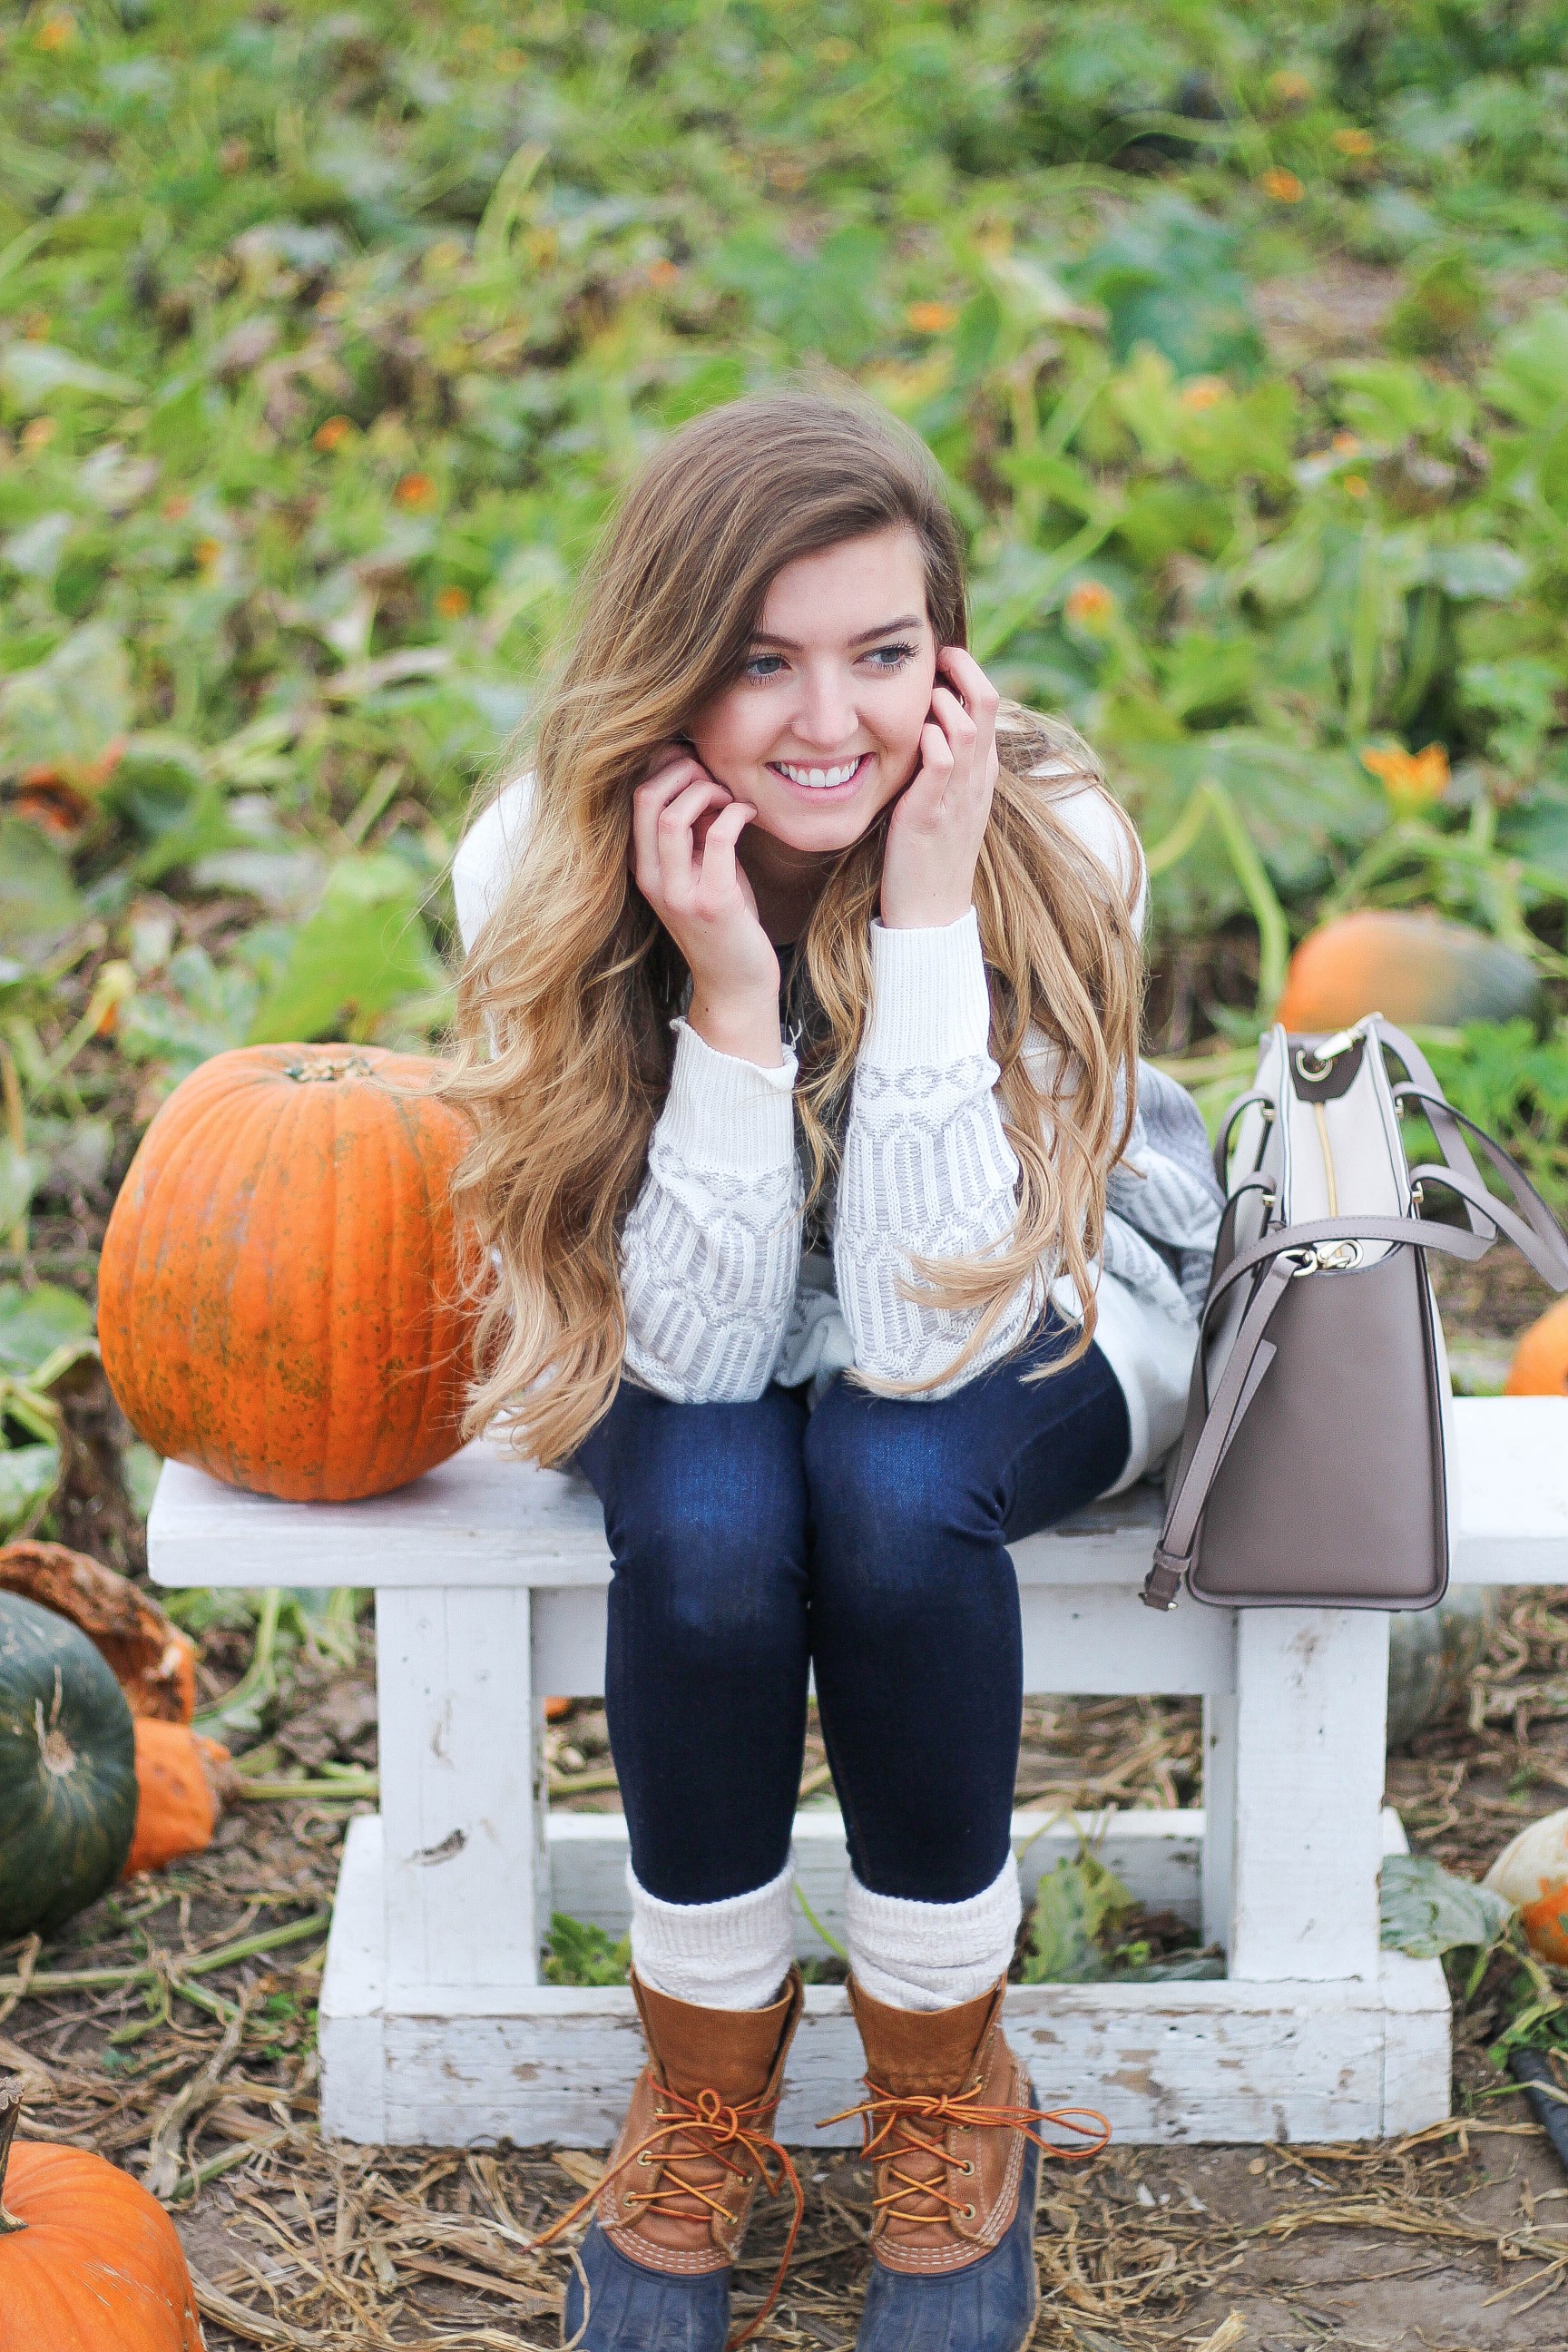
pixel 819 779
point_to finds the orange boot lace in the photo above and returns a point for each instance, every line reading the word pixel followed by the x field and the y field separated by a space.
pixel 704 2128
pixel 892 2124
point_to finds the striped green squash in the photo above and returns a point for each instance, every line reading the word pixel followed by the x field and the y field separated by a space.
pixel 68 1771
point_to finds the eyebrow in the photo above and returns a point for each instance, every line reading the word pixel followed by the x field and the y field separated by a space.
pixel 883 629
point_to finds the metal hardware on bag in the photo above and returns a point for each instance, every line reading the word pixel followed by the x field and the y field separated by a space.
pixel 1418 1193
pixel 1326 1055
pixel 1163 1585
pixel 1324 1257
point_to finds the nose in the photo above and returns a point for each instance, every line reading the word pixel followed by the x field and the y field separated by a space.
pixel 824 717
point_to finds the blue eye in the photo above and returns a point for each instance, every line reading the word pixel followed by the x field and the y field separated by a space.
pixel 757 667
pixel 889 657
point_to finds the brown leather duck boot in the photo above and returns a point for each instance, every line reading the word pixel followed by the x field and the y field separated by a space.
pixel 950 2128
pixel 676 2194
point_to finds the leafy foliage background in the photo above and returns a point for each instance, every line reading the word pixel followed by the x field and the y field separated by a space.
pixel 328 337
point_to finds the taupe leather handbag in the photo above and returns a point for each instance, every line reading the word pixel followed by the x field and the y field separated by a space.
pixel 1316 1467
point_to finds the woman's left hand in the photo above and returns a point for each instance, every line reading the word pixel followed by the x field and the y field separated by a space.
pixel 940 818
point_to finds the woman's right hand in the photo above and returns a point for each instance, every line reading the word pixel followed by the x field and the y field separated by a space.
pixel 684 826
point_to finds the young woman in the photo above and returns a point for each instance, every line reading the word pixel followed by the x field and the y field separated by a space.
pixel 839 1241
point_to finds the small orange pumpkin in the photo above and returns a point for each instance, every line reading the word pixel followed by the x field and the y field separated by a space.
pixel 279 1293
pixel 181 1781
pixel 1545 1924
pixel 89 2261
pixel 1539 1366
pixel 1418 969
pixel 1532 1872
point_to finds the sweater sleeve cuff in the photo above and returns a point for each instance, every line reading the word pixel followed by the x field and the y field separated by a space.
pixel 726 1114
pixel 931 1003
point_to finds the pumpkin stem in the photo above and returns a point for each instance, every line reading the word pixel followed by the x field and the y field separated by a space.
pixel 10 2116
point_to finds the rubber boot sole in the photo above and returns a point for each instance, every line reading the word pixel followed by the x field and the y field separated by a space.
pixel 630 2309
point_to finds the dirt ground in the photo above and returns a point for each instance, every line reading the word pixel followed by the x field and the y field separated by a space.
pixel 172 2027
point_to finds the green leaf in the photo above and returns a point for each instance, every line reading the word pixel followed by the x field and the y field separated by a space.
pixel 34 1323
pixel 578 1953
pixel 70 711
pixel 1072 1905
pixel 1168 277
pixel 33 372
pixel 206 1011
pixel 1527 379
pixel 39 900
pixel 28 1477
pixel 363 950
pixel 21 1173
pixel 1426 1911
pixel 1481 567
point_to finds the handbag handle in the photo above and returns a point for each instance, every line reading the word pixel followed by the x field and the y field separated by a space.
pixel 1536 1232
pixel 1221 1145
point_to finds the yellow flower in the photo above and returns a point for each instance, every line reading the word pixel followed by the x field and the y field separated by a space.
pixel 1355 486
pixel 930 318
pixel 415 490
pixel 38 433
pixel 56 33
pixel 1204 392
pixel 1355 143
pixel 1089 606
pixel 207 552
pixel 452 603
pixel 1413 779
pixel 332 434
pixel 1283 185
pixel 1344 444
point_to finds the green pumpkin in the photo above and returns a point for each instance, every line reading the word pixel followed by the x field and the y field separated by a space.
pixel 68 1771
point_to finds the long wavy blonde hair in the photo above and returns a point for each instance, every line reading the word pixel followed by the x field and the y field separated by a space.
pixel 563 1047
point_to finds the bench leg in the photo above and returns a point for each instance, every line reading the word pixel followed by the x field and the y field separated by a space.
pixel 462 1783
pixel 1296 1770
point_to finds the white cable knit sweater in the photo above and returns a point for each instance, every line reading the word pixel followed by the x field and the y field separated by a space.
pixel 720 1298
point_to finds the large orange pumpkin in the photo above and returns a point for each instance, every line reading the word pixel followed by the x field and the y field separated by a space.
pixel 89 2261
pixel 1418 969
pixel 279 1296
pixel 1539 1366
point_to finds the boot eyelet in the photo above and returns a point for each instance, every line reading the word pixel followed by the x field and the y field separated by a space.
pixel 967 2166
pixel 645 2159
pixel 969 2212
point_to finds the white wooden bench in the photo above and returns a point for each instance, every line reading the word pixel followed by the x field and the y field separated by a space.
pixel 489 1583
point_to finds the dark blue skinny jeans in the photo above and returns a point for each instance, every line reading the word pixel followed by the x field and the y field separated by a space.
pixel 868 1540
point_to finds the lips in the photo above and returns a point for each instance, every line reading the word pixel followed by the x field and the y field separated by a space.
pixel 820 780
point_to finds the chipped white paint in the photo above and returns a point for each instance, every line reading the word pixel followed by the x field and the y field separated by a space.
pixel 1166 2063
pixel 491 1579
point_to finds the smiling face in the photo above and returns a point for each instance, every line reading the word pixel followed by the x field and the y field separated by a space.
pixel 823 727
